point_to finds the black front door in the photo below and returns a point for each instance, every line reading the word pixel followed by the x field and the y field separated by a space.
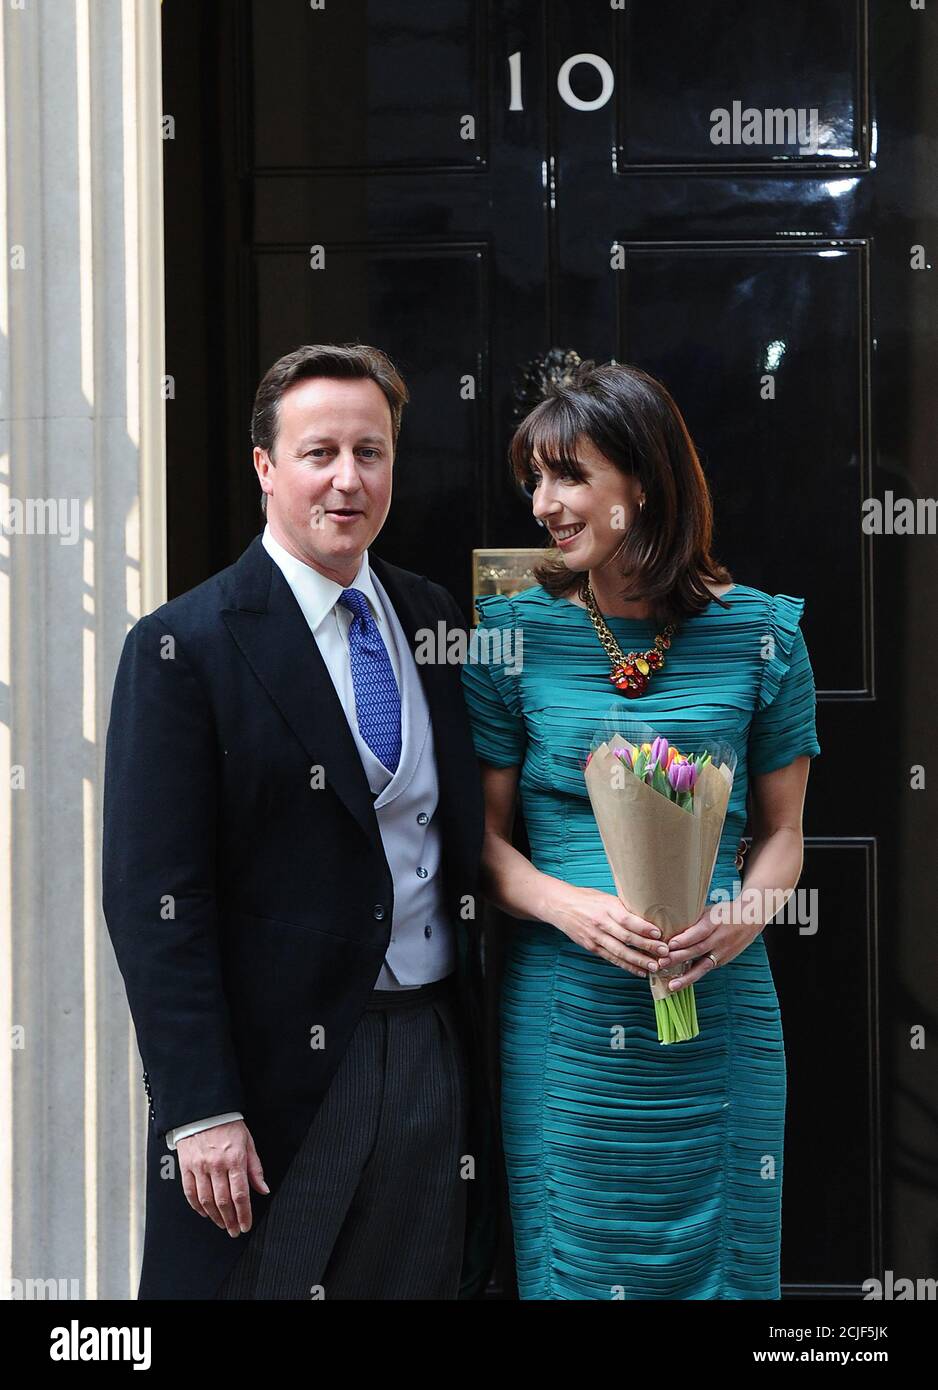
pixel 731 194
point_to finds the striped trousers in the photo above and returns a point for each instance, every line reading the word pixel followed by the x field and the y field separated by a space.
pixel 373 1205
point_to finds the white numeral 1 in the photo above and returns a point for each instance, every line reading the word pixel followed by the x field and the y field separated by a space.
pixel 514 70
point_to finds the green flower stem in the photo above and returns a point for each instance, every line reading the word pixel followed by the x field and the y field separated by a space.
pixel 676 1016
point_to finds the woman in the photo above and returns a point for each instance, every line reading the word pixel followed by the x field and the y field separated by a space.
pixel 636 1170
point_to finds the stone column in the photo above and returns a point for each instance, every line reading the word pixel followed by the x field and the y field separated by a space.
pixel 82 556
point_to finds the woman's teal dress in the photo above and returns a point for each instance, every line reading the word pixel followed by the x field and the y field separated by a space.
pixel 638 1170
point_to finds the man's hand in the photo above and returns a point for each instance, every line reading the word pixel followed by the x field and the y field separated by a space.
pixel 217 1164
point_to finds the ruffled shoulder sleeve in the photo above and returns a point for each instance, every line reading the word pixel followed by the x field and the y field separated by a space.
pixel 784 721
pixel 784 615
pixel 491 682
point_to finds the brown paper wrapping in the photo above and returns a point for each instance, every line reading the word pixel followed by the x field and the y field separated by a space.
pixel 661 855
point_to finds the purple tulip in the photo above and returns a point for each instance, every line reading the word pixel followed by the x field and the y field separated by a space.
pixel 682 776
pixel 659 752
pixel 625 754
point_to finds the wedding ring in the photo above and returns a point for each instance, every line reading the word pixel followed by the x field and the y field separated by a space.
pixel 713 958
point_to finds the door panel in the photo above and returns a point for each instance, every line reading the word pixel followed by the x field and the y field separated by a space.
pixel 676 63
pixel 364 87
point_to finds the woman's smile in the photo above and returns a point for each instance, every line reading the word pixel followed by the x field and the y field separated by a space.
pixel 563 535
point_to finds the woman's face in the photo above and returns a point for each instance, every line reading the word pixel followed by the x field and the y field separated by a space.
pixel 587 520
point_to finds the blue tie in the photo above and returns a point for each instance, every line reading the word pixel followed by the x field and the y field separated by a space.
pixel 377 698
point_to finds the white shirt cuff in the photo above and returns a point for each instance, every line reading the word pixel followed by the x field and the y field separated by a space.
pixel 183 1131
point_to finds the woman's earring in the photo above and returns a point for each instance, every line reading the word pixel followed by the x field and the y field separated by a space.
pixel 641 504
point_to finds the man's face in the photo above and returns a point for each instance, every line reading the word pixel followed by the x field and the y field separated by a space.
pixel 329 484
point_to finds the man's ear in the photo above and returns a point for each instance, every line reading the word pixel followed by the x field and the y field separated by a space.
pixel 262 456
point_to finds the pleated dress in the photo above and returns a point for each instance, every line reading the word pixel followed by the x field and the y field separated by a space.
pixel 638 1170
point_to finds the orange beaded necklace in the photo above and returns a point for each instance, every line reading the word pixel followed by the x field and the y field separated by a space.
pixel 630 672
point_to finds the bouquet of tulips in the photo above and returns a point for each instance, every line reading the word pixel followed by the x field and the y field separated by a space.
pixel 660 814
pixel 665 768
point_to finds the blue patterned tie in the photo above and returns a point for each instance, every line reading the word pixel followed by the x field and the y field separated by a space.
pixel 377 698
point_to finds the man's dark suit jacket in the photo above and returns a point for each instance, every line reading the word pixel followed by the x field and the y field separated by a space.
pixel 246 903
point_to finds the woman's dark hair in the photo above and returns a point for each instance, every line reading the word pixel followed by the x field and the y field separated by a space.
pixel 633 421
pixel 346 360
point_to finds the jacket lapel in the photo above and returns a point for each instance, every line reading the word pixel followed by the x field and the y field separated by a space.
pixel 268 625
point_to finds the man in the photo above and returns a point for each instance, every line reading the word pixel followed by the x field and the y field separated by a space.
pixel 292 830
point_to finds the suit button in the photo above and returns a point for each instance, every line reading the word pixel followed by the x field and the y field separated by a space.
pixel 378 912
pixel 421 872
pixel 428 931
pixel 422 818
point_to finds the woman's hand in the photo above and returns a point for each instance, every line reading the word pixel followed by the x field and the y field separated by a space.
pixel 713 931
pixel 599 923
